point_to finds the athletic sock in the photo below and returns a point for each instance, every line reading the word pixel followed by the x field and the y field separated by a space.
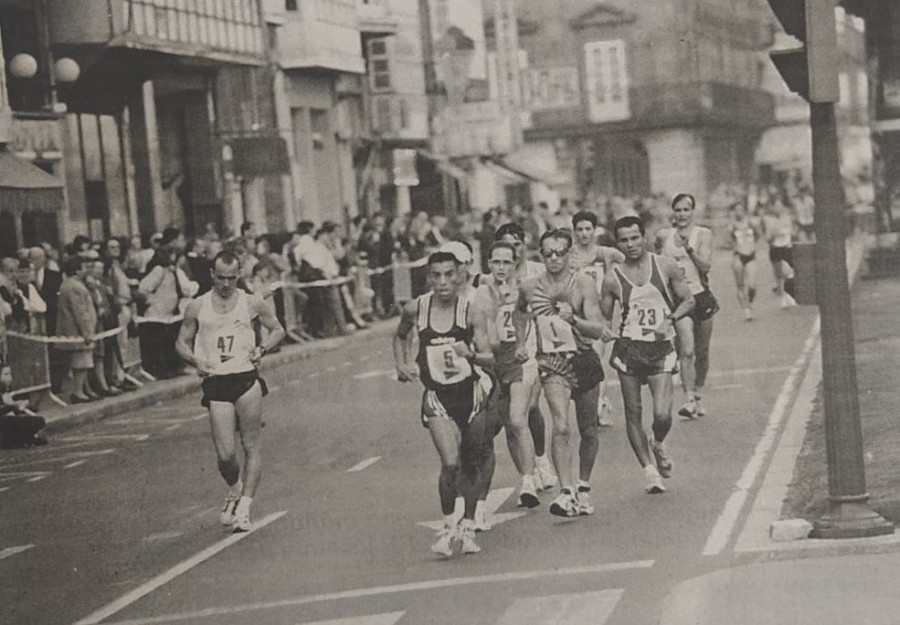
pixel 449 521
pixel 583 487
pixel 243 504
pixel 527 480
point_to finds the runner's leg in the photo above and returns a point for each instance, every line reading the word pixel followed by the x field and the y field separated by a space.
pixel 446 438
pixel 248 411
pixel 222 421
pixel 631 399
pixel 558 396
pixel 589 428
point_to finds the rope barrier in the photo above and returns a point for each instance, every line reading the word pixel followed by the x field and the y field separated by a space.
pixel 67 339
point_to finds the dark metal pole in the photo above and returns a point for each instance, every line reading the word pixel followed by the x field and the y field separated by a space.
pixel 848 515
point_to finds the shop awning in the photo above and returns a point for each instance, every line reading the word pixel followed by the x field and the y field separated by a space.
pixel 531 174
pixel 444 165
pixel 17 173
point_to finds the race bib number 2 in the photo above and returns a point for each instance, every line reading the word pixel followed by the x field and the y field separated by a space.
pixel 445 365
pixel 505 327
pixel 555 335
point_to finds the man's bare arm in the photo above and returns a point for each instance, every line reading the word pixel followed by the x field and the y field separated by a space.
pixel 679 288
pixel 406 372
pixel 591 324
pixel 184 344
pixel 270 322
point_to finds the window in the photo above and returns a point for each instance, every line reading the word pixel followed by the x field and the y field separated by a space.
pixel 379 66
pixel 290 5
pixel 232 25
pixel 404 114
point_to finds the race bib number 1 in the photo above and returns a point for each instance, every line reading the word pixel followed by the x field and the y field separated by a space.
pixel 555 335
pixel 445 365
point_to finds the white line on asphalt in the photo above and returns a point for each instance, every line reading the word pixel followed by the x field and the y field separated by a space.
pixel 274 389
pixel 107 437
pixel 18 475
pixel 4 488
pixel 389 618
pixel 313 375
pixel 331 369
pixel 719 387
pixel 294 382
pixel 173 427
pixel 362 465
pixel 167 576
pixel 37 478
pixel 347 363
pixel 11 551
pixel 198 416
pixel 381 590
pixel 580 608
pixel 727 521
pixel 376 373
pixel 72 465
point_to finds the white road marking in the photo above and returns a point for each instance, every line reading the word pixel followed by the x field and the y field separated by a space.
pixel 719 387
pixel 347 363
pixel 161 536
pixel 173 427
pixel 313 375
pixel 11 551
pixel 66 457
pixel 105 437
pixel 37 478
pixel 331 369
pixel 19 475
pixel 198 416
pixel 727 521
pixel 375 373
pixel 274 389
pixel 4 488
pixel 494 500
pixel 381 590
pixel 163 578
pixel 582 608
pixel 388 618
pixel 72 465
pixel 362 465
pixel 294 382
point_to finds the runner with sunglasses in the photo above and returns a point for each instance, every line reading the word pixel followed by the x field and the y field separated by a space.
pixel 564 307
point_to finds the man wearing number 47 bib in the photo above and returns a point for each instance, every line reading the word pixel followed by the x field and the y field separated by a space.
pixel 647 287
pixel 217 337
pixel 457 391
pixel 564 307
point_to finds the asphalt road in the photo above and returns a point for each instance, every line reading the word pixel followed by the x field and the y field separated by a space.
pixel 117 521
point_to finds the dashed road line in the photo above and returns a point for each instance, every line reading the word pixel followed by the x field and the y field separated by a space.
pixel 4 489
pixel 72 465
pixel 274 389
pixel 364 464
pixel 388 618
pixel 145 589
pixel 37 478
pixel 11 551
pixel 357 593
pixel 105 437
pixel 172 427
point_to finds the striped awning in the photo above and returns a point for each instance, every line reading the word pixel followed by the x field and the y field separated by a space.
pixel 17 173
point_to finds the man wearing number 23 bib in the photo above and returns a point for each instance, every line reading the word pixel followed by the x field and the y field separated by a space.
pixel 646 286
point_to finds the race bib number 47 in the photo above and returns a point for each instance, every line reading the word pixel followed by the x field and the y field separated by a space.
pixel 555 335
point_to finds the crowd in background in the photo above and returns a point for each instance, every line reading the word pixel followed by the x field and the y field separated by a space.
pixel 323 280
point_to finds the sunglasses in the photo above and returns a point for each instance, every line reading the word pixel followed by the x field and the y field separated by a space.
pixel 552 253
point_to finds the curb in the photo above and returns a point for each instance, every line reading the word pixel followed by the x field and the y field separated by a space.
pixel 154 392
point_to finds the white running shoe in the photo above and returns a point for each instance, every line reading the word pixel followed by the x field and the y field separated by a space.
pixel 536 478
pixel 663 459
pixel 482 524
pixel 748 314
pixel 605 419
pixel 444 545
pixel 226 517
pixel 701 409
pixel 528 496
pixel 564 505
pixel 241 521
pixel 546 473
pixel 689 409
pixel 787 301
pixel 654 481
pixel 583 502
pixel 467 542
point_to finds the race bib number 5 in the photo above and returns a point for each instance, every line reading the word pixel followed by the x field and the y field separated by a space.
pixel 445 365
pixel 555 335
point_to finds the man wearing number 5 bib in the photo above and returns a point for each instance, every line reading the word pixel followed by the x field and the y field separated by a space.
pixel 564 306
pixel 457 391
pixel 217 337
pixel 646 285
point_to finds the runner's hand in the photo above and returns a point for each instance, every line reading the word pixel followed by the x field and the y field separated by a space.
pixel 407 373
pixel 256 355
pixel 521 353
pixel 607 335
pixel 462 350
pixel 566 312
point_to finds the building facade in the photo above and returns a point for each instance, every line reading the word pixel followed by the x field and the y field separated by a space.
pixel 629 98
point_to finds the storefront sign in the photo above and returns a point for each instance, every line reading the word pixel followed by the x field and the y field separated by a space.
pixel 405 174
pixel 36 138
pixel 552 88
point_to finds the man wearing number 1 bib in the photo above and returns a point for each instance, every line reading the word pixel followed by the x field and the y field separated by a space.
pixel 457 391
pixel 646 285
pixel 564 307
pixel 217 337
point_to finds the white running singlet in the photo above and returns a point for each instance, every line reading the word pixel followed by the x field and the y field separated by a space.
pixel 645 307
pixel 224 342
pixel 680 256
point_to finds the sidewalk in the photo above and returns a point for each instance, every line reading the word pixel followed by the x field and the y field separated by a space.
pixel 819 581
pixel 61 418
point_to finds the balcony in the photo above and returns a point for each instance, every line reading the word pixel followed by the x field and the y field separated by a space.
pixel 374 18
pixel 670 105
pixel 229 31
pixel 314 39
